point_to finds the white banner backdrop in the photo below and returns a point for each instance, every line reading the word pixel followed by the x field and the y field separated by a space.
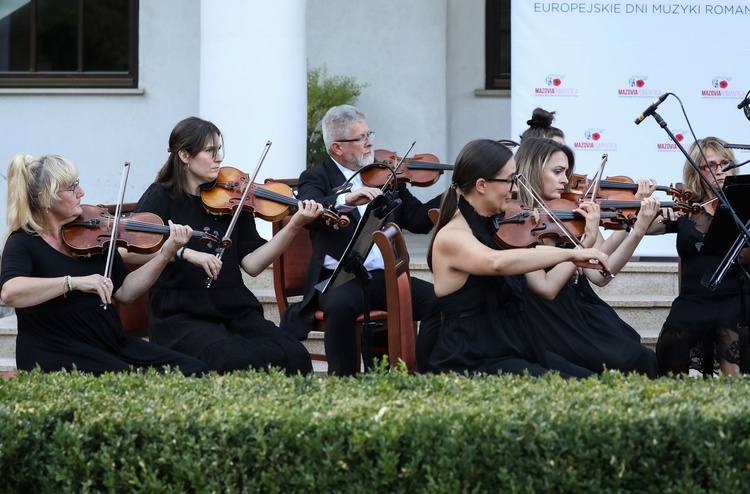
pixel 599 65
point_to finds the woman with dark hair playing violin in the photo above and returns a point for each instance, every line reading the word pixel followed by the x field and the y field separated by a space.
pixel 699 312
pixel 222 325
pixel 571 319
pixel 484 327
pixel 63 302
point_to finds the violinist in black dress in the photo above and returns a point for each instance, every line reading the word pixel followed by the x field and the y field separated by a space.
pixel 698 312
pixel 484 324
pixel 569 318
pixel 63 303
pixel 222 325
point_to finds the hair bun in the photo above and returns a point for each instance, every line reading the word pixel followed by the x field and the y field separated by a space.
pixel 536 122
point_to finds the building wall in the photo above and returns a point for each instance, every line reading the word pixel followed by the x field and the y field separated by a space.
pixel 423 61
pixel 101 129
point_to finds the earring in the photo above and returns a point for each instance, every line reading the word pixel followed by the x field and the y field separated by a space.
pixel 46 211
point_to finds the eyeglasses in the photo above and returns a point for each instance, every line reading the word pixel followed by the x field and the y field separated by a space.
pixel 216 153
pixel 362 138
pixel 512 180
pixel 715 165
pixel 73 187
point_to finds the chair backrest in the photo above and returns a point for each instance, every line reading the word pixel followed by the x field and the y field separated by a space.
pixel 290 268
pixel 402 330
pixel 134 316
pixel 434 215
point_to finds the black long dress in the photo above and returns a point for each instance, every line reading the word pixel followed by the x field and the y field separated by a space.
pixel 75 331
pixel 222 325
pixel 698 311
pixel 582 328
pixel 484 327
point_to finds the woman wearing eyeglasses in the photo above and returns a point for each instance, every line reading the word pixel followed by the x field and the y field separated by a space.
pixel 223 325
pixel 62 302
pixel 571 319
pixel 485 327
pixel 698 312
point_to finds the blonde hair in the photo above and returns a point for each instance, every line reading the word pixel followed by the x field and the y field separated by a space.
pixel 692 180
pixel 33 184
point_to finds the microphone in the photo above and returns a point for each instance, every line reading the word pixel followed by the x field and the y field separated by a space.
pixel 743 103
pixel 651 109
pixel 732 165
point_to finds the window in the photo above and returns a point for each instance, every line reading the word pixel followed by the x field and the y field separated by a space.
pixel 68 43
pixel 497 44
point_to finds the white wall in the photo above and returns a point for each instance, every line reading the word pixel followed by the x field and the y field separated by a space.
pixel 422 59
pixel 100 131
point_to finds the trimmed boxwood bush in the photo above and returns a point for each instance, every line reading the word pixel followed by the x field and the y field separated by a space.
pixel 380 432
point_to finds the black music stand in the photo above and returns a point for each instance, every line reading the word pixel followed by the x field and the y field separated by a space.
pixel 723 238
pixel 352 261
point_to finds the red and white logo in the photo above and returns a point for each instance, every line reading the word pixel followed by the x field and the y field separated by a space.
pixel 554 87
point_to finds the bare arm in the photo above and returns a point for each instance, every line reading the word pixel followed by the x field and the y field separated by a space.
pixel 457 253
pixel 258 260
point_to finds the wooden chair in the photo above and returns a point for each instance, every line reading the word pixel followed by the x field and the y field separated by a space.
pixel 290 275
pixel 434 215
pixel 402 329
pixel 134 316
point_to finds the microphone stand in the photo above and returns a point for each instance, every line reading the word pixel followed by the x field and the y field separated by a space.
pixel 731 257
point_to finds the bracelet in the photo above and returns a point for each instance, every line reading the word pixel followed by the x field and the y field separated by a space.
pixel 180 254
pixel 67 285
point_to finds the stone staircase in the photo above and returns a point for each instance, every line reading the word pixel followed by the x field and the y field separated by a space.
pixel 642 294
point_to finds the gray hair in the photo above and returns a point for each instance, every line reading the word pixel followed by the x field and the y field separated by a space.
pixel 337 120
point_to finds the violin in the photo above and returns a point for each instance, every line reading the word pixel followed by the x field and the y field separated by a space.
pixel 625 206
pixel 522 226
pixel 143 233
pixel 421 170
pixel 580 183
pixel 271 201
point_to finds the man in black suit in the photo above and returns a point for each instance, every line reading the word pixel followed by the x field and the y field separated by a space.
pixel 348 140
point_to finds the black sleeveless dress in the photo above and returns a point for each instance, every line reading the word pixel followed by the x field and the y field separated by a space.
pixel 485 328
pixel 585 330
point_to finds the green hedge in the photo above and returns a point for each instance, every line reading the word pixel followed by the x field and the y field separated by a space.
pixel 381 432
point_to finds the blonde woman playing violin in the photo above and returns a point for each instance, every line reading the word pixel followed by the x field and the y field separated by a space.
pixel 570 319
pixel 699 313
pixel 62 302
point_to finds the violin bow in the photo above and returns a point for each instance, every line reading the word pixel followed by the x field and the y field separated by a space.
pixel 237 212
pixel 116 224
pixel 593 188
pixel 523 182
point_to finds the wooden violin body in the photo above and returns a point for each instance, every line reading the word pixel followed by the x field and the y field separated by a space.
pixel 142 233
pixel 421 170
pixel 612 185
pixel 271 201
